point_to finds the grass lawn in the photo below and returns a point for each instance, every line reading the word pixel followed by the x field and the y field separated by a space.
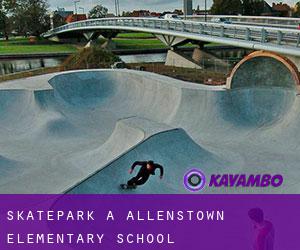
pixel 214 45
pixel 134 35
pixel 123 43
pixel 132 40
pixel 139 43
pixel 22 46
pixel 31 49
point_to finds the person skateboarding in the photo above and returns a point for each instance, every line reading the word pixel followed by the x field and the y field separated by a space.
pixel 263 230
pixel 147 168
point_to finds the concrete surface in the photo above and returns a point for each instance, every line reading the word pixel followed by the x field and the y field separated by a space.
pixel 80 132
pixel 175 59
pixel 268 72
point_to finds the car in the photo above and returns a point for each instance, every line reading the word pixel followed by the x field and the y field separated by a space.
pixel 118 65
pixel 220 20
pixel 171 16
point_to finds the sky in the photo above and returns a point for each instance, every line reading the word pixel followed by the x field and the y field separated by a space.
pixel 128 5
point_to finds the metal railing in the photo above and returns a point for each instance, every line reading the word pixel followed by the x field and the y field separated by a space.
pixel 287 22
pixel 280 40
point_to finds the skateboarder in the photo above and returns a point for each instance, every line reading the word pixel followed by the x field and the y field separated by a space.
pixel 263 230
pixel 147 168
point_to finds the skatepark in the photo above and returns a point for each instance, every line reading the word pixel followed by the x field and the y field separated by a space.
pixel 80 131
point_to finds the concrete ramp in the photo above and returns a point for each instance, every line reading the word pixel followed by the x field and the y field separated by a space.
pixel 170 149
pixel 79 132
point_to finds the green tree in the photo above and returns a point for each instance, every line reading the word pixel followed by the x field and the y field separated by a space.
pixel 126 13
pixel 3 24
pixel 98 11
pixel 58 20
pixel 20 20
pixel 253 7
pixel 31 17
pixel 296 12
pixel 6 6
pixel 226 7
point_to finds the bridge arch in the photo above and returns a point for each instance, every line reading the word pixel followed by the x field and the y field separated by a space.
pixel 264 69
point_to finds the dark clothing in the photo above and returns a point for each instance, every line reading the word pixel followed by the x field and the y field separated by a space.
pixel 144 169
pixel 138 180
pixel 144 173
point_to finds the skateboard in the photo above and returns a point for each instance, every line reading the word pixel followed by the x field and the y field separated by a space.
pixel 125 186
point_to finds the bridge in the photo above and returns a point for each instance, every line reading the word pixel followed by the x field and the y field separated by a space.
pixel 174 32
pixel 284 42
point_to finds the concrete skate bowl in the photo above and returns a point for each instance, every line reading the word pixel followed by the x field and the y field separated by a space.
pixel 262 76
pixel 264 69
pixel 79 132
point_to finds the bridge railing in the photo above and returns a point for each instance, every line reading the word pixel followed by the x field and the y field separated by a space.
pixel 191 30
pixel 288 22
